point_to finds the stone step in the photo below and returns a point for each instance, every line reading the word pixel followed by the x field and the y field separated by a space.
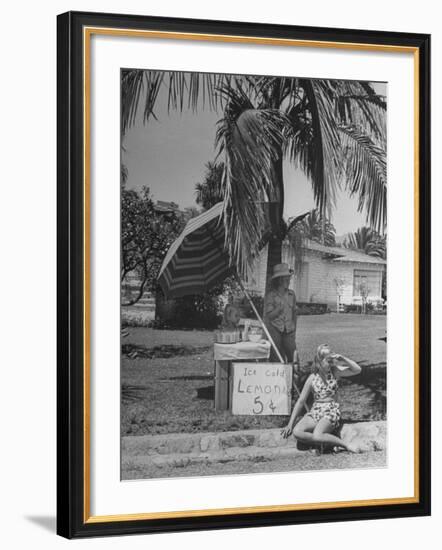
pixel 222 456
pixel 365 435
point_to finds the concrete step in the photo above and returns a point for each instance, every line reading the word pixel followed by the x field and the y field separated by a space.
pixel 366 436
pixel 183 460
pixel 202 442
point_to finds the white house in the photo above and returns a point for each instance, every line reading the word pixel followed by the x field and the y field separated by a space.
pixel 328 275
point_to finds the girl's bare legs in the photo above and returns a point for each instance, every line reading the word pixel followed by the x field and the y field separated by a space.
pixel 321 434
pixel 303 431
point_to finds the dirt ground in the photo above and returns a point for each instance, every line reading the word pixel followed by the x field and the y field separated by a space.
pixel 167 376
pixel 305 462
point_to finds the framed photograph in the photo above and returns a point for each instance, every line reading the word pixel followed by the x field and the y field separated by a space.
pixel 243 274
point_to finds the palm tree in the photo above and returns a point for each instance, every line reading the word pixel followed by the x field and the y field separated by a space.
pixel 210 191
pixel 315 227
pixel 332 130
pixel 368 241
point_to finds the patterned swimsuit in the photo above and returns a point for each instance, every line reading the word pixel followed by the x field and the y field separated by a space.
pixel 324 390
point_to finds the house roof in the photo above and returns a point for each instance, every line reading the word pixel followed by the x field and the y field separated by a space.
pixel 341 254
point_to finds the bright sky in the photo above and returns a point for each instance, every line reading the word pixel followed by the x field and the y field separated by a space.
pixel 169 156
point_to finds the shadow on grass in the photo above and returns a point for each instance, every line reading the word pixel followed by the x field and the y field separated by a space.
pixel 366 391
pixel 207 392
pixel 134 351
pixel 131 394
pixel 189 377
pixel 168 397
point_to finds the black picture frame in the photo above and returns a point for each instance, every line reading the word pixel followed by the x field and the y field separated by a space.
pixel 72 520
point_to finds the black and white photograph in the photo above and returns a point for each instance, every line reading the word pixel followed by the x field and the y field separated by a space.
pixel 253 274
pixel 219 219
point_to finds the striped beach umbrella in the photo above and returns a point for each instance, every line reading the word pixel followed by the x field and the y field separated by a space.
pixel 197 260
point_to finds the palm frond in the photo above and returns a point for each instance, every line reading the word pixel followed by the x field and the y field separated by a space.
pixel 314 227
pixel 368 241
pixel 372 96
pixel 339 126
pixel 132 85
pixel 366 175
pixel 249 140
pixel 360 106
pixel 326 127
pixel 314 144
pixel 185 91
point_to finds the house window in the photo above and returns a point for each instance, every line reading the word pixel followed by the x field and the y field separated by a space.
pixel 368 282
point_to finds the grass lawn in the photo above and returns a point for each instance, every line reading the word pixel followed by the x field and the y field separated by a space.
pixel 168 388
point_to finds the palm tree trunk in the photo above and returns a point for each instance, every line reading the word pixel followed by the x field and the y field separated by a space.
pixel 274 255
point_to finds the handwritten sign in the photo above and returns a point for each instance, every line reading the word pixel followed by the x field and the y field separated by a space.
pixel 261 388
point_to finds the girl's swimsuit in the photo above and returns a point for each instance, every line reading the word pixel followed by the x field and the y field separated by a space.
pixel 324 390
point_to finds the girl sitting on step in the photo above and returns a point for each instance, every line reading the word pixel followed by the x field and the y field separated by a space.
pixel 316 427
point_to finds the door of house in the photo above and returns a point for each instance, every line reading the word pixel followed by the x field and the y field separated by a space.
pixel 301 285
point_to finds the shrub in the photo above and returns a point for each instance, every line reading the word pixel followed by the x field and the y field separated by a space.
pixel 312 308
pixel 370 309
pixel 198 311
pixel 190 312
pixel 246 308
pixel 352 308
pixel 134 320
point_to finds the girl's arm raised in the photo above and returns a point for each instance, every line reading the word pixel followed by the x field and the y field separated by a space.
pixel 285 432
pixel 351 368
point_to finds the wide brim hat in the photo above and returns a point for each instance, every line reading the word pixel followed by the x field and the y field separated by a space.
pixel 282 270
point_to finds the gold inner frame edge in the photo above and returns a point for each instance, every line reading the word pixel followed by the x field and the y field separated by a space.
pixel 87 33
